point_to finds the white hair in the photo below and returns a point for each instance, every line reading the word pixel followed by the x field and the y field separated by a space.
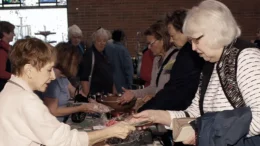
pixel 74 30
pixel 101 32
pixel 214 21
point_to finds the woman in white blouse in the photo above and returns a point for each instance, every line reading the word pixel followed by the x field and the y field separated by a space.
pixel 25 120
pixel 235 77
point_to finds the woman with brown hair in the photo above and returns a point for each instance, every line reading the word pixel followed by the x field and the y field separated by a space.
pixel 6 36
pixel 60 90
pixel 25 120
pixel 158 41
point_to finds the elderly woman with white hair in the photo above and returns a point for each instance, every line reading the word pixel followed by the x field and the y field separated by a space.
pixel 75 38
pixel 95 71
pixel 231 76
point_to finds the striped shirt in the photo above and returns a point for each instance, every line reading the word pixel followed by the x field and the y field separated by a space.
pixel 248 79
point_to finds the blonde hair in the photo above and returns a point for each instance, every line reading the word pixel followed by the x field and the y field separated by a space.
pixel 101 32
pixel 74 30
pixel 215 21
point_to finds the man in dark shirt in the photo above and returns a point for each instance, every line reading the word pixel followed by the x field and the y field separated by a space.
pixel 180 90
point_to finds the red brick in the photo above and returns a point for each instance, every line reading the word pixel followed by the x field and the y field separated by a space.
pixel 137 15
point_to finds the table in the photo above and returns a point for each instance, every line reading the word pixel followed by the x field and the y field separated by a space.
pixel 90 122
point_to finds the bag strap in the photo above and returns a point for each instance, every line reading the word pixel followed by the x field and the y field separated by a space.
pixel 91 72
pixel 164 63
pixel 205 78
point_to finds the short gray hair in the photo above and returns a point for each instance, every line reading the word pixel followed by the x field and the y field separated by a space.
pixel 101 32
pixel 74 30
pixel 214 20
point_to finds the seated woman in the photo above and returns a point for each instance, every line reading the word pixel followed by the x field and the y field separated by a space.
pixel 25 120
pixel 231 75
pixel 159 43
pixel 59 91
pixel 95 72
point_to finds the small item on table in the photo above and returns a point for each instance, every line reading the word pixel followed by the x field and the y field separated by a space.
pixel 111 122
pixel 132 139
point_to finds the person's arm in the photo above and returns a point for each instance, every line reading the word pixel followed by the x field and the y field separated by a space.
pixel 119 130
pixel 52 104
pixel 127 67
pixel 47 130
pixel 151 89
pixel 248 79
pixel 51 98
pixel 3 59
pixel 84 71
pixel 192 111
pixel 72 90
pixel 85 87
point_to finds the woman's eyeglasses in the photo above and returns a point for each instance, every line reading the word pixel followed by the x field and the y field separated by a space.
pixel 151 44
pixel 195 40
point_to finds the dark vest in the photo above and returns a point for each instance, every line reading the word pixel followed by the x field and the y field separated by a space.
pixel 226 70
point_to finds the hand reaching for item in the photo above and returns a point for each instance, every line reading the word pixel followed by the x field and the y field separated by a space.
pixel 147 115
pixel 121 129
pixel 127 96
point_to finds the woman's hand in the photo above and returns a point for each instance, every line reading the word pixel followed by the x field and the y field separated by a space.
pixel 152 116
pixel 126 97
pixel 190 141
pixel 86 107
pixel 121 130
pixel 148 115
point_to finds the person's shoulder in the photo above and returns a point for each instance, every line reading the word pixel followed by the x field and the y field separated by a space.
pixel 27 95
pixel 52 85
pixel 250 52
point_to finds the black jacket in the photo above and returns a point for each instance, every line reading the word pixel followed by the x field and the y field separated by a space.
pixel 226 128
pixel 179 91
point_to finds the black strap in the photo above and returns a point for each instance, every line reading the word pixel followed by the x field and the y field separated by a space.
pixel 186 114
pixel 76 93
pixel 164 63
pixel 206 75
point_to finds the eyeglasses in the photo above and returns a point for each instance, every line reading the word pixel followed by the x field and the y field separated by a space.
pixel 151 44
pixel 195 40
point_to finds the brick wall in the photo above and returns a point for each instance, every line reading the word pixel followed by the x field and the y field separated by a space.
pixel 136 15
